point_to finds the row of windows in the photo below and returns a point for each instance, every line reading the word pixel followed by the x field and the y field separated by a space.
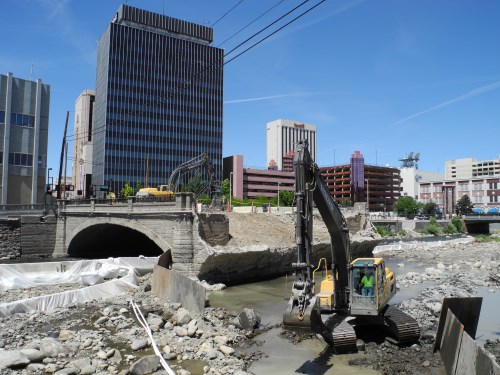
pixel 19 159
pixel 18 119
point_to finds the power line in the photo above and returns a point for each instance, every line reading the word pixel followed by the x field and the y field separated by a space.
pixel 250 23
pixel 225 14
pixel 274 32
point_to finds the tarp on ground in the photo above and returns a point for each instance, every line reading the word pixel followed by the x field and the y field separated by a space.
pixel 121 273
pixel 28 275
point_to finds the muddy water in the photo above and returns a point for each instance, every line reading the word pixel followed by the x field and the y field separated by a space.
pixel 269 299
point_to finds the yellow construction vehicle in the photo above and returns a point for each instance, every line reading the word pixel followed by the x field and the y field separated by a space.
pixel 340 293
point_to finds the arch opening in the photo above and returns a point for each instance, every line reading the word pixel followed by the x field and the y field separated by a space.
pixel 111 240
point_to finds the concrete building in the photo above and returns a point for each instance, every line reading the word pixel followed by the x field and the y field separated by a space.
pixel 282 135
pixel 471 168
pixel 251 183
pixel 159 98
pixel 24 125
pixel 483 192
pixel 411 177
pixel 83 144
pixel 357 182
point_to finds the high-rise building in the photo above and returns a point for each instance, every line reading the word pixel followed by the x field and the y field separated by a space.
pixel 159 97
pixel 357 182
pixel 24 125
pixel 471 168
pixel 282 136
pixel 83 144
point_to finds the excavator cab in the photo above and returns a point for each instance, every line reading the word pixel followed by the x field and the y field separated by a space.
pixel 372 286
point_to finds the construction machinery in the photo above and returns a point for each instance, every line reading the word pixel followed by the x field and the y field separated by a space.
pixel 168 191
pixel 339 294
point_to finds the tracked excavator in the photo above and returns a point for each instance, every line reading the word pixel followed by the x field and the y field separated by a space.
pixel 339 308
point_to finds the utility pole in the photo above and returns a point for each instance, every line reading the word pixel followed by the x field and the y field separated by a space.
pixel 62 156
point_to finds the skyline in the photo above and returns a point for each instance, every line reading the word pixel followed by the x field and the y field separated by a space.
pixel 385 78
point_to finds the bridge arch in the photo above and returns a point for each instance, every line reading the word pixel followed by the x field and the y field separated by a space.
pixel 103 237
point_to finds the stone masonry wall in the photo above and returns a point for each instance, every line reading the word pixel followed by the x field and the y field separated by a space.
pixel 38 236
pixel 10 238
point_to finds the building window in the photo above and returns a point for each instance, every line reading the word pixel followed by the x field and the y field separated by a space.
pixel 20 159
pixel 2 117
pixel 494 198
pixel 22 120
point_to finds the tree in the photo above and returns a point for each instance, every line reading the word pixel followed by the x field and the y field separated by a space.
pixel 464 205
pixel 195 184
pixel 407 205
pixel 138 186
pixel 127 190
pixel 224 187
pixel 430 208
pixel 286 197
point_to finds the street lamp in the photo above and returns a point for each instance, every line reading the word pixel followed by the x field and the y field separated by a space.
pixel 367 195
pixel 278 195
pixel 48 179
pixel 230 191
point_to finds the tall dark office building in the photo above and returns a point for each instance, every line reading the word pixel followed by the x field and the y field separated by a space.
pixel 159 96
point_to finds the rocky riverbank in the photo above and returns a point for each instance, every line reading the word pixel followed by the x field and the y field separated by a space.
pixel 105 337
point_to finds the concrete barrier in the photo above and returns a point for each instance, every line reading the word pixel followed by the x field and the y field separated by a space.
pixel 460 353
pixel 178 288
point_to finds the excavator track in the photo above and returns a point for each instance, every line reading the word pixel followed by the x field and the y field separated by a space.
pixel 341 333
pixel 403 328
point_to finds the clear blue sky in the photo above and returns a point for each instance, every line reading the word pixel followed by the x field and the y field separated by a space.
pixel 386 77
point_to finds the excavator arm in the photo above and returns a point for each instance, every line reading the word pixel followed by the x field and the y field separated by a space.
pixel 303 309
pixel 202 160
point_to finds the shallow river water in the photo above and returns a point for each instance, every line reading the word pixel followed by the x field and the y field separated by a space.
pixel 269 299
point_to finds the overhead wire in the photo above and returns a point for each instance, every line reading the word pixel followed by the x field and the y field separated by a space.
pixel 225 14
pixel 200 75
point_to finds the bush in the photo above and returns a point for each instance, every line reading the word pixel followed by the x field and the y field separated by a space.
pixel 457 223
pixel 450 229
pixel 384 231
pixel 432 227
pixel 486 238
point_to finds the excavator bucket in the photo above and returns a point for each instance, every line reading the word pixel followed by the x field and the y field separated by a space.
pixel 309 321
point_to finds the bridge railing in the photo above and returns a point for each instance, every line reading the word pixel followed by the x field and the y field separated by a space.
pixel 182 202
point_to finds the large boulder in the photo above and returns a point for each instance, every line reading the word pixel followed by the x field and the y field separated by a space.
pixel 247 319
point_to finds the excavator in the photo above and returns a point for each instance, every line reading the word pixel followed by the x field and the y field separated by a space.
pixel 167 191
pixel 340 307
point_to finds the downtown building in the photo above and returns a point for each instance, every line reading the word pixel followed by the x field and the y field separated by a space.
pixel 159 99
pixel 24 125
pixel 379 187
pixel 83 145
pixel 471 168
pixel 282 137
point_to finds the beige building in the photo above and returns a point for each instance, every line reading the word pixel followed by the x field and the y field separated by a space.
pixel 282 135
pixel 471 168
pixel 83 144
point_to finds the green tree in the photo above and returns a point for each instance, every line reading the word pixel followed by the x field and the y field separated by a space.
pixel 224 187
pixel 286 197
pixel 195 184
pixel 430 208
pixel 127 190
pixel 464 205
pixel 407 205
pixel 138 186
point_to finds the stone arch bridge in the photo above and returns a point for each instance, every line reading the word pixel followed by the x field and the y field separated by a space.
pixel 89 229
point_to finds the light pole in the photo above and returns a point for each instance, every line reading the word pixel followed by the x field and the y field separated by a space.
pixel 278 195
pixel 230 191
pixel 48 179
pixel 367 195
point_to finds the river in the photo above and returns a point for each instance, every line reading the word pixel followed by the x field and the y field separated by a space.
pixel 269 299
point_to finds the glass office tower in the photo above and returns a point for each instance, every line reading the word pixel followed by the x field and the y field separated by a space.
pixel 159 96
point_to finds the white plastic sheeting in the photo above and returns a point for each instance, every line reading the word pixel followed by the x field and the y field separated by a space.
pixel 89 272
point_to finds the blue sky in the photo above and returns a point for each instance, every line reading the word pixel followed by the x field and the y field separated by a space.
pixel 386 77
